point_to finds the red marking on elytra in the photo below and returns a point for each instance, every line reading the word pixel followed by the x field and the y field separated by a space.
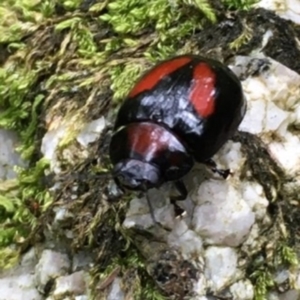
pixel 147 139
pixel 202 93
pixel 155 75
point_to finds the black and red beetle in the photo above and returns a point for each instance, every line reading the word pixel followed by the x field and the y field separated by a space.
pixel 181 111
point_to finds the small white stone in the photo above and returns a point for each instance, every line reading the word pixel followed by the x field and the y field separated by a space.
pixel 281 276
pixel 275 117
pixel 253 194
pixel 49 146
pixel 200 286
pixel 72 284
pixel 139 211
pixel 8 155
pixel 61 214
pixel 286 153
pixel 221 216
pixel 19 282
pixel 81 297
pixel 230 157
pixel 253 121
pixel 242 290
pixel 263 117
pixel 116 292
pixel 189 243
pixel 286 9
pixel 220 267
pixel 82 259
pixel 91 132
pixel 50 266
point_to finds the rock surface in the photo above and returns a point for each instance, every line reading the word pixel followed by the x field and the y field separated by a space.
pixel 230 213
pixel 8 155
pixel 51 265
pixel 224 219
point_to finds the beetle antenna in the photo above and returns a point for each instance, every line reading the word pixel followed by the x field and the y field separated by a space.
pixel 152 211
pixel 150 207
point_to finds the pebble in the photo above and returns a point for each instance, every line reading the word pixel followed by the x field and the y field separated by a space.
pixel 220 267
pixel 51 265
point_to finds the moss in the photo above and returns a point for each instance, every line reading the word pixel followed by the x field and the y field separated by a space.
pixel 9 258
pixel 263 282
pixel 240 4
pixel 242 39
pixel 49 46
pixel 21 204
pixel 76 60
pixel 135 281
pixel 282 257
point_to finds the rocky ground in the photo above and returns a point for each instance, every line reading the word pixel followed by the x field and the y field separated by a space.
pixel 65 231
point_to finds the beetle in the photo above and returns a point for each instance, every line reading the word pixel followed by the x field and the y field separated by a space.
pixel 181 111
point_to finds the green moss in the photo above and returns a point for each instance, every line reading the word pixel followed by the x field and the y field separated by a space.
pixel 243 39
pixel 239 4
pixel 60 59
pixel 9 258
pixel 288 256
pixel 131 17
pixel 130 266
pixel 123 78
pixel 21 203
pixel 263 282
pixel 278 257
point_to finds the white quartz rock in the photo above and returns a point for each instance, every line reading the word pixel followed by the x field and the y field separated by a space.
pixel 270 96
pixel 276 83
pixel 51 265
pixel 273 105
pixel 230 157
pixel 200 286
pixel 8 155
pixel 139 211
pixel 58 131
pixel 91 132
pixel 286 153
pixel 220 267
pixel 82 297
pixel 186 240
pixel 19 287
pixel 74 284
pixel 139 215
pixel 253 194
pixel 286 9
pixel 221 216
pixel 116 292
pixel 242 290
pixel 262 117
pixel 49 146
pixel 18 283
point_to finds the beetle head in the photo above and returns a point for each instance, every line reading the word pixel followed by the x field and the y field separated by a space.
pixel 136 174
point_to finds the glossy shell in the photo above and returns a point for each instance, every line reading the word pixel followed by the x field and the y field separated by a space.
pixel 198 99
pixel 150 142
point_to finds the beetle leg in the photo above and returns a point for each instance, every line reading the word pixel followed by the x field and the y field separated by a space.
pixel 213 166
pixel 181 188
